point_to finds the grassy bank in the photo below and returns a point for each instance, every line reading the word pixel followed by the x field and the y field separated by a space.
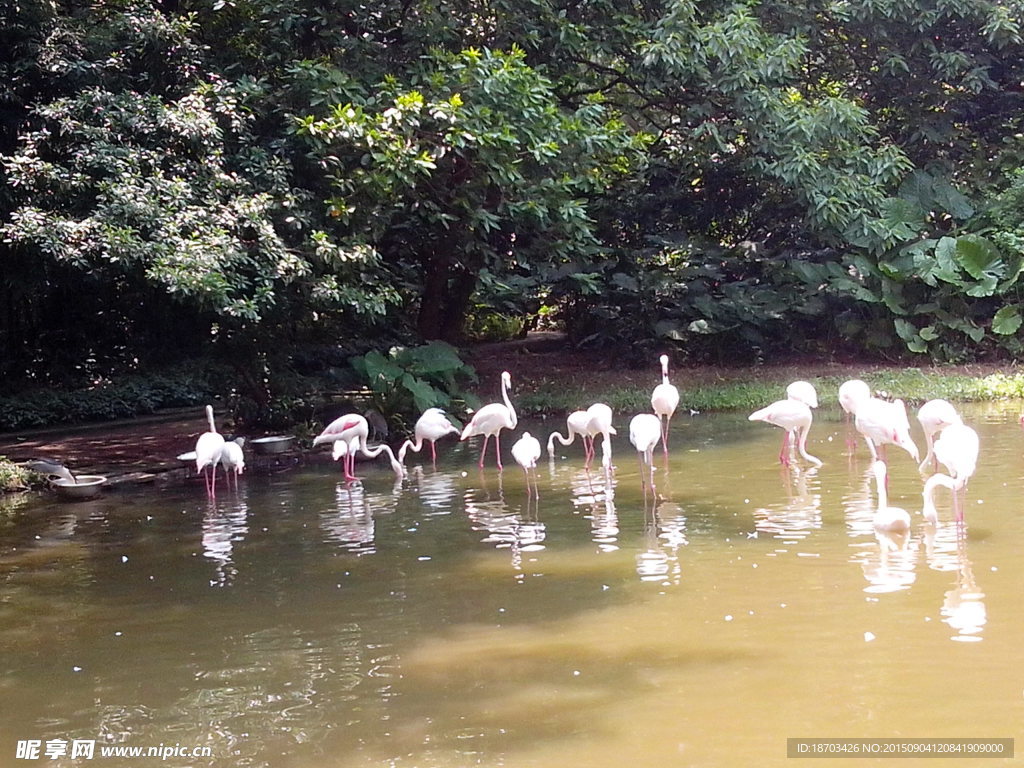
pixel 759 386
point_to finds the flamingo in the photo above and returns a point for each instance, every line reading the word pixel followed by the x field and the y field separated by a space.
pixel 233 459
pixel 804 392
pixel 430 427
pixel 851 394
pixel 795 418
pixel 883 423
pixel 491 419
pixel 50 468
pixel 957 449
pixel 664 401
pixel 644 434
pixel 576 423
pixel 600 423
pixel 887 519
pixel 935 415
pixel 209 449
pixel 353 430
pixel 526 451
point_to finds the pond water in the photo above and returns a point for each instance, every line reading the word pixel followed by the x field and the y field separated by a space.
pixel 450 621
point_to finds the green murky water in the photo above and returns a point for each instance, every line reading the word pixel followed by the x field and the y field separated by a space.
pixel 450 621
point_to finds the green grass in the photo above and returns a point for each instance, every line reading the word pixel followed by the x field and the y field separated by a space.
pixel 749 392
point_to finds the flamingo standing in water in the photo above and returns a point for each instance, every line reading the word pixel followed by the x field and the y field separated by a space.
pixel 526 451
pixel 233 459
pixel 576 423
pixel 430 427
pixel 209 448
pixel 887 519
pixel 935 415
pixel 851 394
pixel 957 449
pixel 794 416
pixel 600 423
pixel 644 434
pixel 353 430
pixel 882 423
pixel 664 401
pixel 491 419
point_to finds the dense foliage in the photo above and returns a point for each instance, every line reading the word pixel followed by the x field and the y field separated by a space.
pixel 286 184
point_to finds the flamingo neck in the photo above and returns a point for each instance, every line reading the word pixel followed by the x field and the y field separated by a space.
pixel 513 419
pixel 209 418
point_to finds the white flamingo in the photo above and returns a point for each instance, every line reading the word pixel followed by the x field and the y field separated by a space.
pixel 664 401
pixel 576 423
pixel 430 427
pixel 233 459
pixel 851 394
pixel 882 423
pixel 209 448
pixel 491 419
pixel 795 418
pixel 935 415
pixel 644 434
pixel 353 430
pixel 600 423
pixel 526 451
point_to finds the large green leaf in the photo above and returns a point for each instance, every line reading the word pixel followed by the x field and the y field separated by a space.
pixel 1007 320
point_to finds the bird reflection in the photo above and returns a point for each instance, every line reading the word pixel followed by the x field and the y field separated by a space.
pixel 518 532
pixel 963 606
pixel 664 534
pixel 223 525
pixel 350 524
pixel 436 489
pixel 801 512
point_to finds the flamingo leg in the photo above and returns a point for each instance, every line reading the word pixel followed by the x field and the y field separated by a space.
pixel 497 449
pixel 433 453
pixel 664 435
pixel 784 451
pixel 483 451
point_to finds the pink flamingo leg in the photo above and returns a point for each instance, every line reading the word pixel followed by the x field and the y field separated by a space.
pixel 784 452
pixel 664 437
pixel 483 451
pixel 433 453
pixel 497 449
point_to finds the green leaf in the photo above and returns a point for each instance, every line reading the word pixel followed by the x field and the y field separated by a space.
pixel 1007 320
pixel 979 257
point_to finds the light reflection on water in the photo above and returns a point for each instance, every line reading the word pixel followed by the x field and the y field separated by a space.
pixel 453 620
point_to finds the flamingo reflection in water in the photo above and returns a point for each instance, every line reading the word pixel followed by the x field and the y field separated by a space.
pixel 963 605
pixel 800 513
pixel 223 525
pixel 664 534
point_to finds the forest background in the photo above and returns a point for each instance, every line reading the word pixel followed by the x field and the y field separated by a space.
pixel 273 199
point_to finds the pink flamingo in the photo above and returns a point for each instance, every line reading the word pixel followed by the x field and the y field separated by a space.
pixel 491 419
pixel 644 433
pixel 935 415
pixel 795 418
pixel 882 423
pixel 526 451
pixel 353 430
pixel 430 427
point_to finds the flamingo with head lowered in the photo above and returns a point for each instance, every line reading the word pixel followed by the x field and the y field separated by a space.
pixel 353 430
pixel 576 423
pixel 935 416
pixel 882 423
pixel 794 416
pixel 957 449
pixel 430 427
pixel 664 401
pixel 491 419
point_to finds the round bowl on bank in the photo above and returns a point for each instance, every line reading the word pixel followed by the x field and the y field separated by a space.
pixel 275 444
pixel 86 487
